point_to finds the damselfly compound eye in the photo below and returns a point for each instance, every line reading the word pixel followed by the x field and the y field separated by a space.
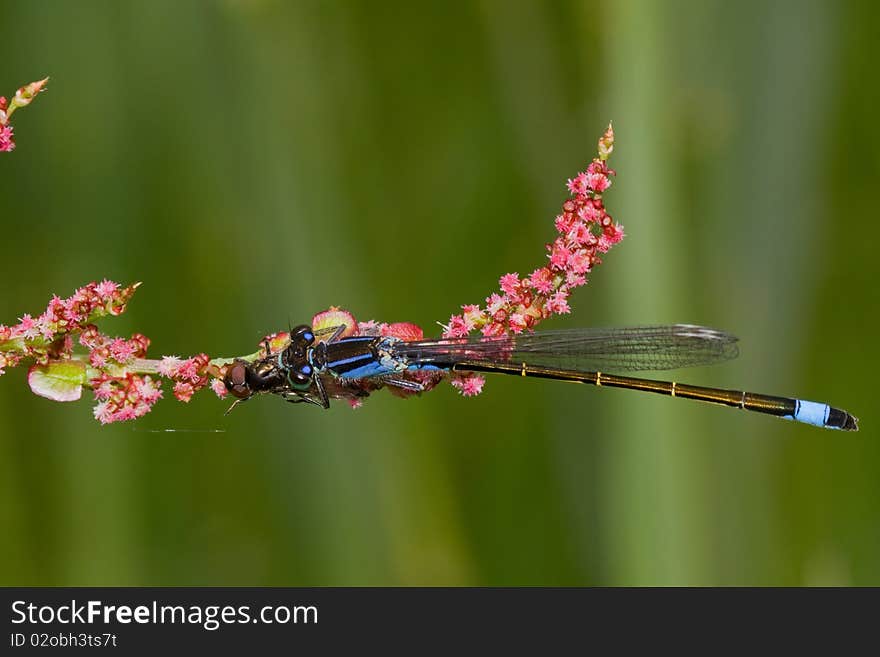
pixel 301 378
pixel 302 335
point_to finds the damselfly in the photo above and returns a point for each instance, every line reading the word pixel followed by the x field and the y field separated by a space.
pixel 319 365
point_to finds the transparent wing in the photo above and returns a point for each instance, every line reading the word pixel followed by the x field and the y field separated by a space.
pixel 592 349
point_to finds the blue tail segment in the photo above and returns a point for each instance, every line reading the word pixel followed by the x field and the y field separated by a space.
pixel 822 415
pixel 811 412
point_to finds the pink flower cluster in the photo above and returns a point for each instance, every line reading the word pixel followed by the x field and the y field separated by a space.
pixel 469 385
pixel 124 397
pixel 115 368
pixel 189 375
pixel 22 97
pixel 7 144
pixel 103 348
pixel 586 231
pixel 49 335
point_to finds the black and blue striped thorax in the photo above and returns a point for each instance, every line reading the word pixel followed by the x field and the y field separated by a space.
pixel 358 357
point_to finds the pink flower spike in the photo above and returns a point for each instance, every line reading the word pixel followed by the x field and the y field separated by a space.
pixel 517 322
pixel 598 182
pixel 141 408
pixel 494 303
pixel 183 391
pixel 106 289
pixel 121 350
pixel 558 303
pixel 473 316
pixel 590 213
pixel 579 262
pixel 148 391
pixel 579 234
pixel 559 254
pixel 187 370
pixel 610 237
pixel 46 329
pixel 27 328
pixel 494 330
pixel 542 280
pixel 564 222
pixel 103 412
pixel 139 343
pixel 7 143
pixel 615 233
pixel 168 366
pixel 457 327
pixel 575 280
pixel 509 284
pixel 579 186
pixel 123 414
pixel 598 166
pixel 469 385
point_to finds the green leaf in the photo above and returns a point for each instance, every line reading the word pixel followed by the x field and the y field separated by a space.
pixel 59 381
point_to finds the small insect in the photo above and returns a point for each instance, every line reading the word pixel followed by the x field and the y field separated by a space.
pixel 319 365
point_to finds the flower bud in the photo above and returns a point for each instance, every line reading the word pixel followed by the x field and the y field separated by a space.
pixel 26 94
pixel 606 143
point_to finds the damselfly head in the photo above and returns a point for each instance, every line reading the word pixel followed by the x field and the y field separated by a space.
pixel 301 338
pixel 295 359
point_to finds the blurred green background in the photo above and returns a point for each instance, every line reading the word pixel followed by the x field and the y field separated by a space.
pixel 253 162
